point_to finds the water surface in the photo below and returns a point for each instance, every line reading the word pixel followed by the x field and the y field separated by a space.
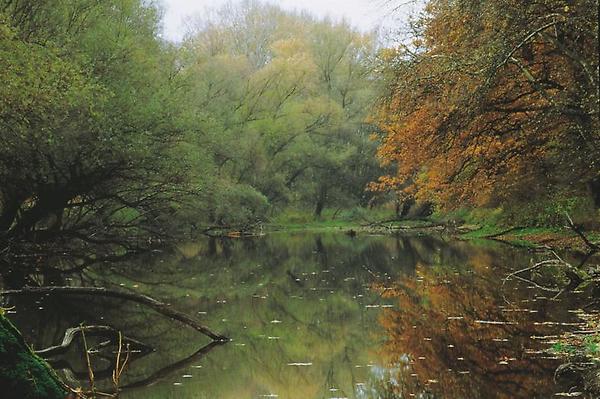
pixel 321 316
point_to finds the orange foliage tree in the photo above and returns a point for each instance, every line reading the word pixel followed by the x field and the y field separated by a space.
pixel 493 101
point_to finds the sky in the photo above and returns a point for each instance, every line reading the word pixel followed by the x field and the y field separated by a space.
pixel 364 14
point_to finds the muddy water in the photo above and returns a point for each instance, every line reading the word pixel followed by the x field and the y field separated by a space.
pixel 320 316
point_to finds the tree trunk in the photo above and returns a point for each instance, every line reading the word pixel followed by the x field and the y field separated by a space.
pixel 406 205
pixel 11 203
pixel 594 186
pixel 321 199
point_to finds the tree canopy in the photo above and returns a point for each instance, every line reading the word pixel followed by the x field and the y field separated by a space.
pixel 493 102
pixel 280 101
pixel 89 123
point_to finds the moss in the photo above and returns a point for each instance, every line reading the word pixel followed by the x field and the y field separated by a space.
pixel 24 375
pixel 580 356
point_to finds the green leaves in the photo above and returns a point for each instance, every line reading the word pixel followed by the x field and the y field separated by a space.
pixel 90 118
pixel 271 117
pixel 99 117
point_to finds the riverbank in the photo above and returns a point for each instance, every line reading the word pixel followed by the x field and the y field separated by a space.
pixel 580 351
pixel 563 239
pixel 557 238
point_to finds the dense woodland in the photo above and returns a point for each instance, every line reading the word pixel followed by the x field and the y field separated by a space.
pixel 111 135
pixel 114 138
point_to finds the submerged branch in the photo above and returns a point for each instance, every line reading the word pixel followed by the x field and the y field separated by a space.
pixel 70 334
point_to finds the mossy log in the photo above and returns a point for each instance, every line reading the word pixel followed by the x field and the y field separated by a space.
pixel 23 374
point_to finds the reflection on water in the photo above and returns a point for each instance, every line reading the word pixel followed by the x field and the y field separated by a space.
pixel 321 316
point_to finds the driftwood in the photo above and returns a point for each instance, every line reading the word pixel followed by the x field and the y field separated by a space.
pixel 379 223
pixel 233 230
pixel 574 279
pixel 570 271
pixel 390 227
pixel 503 232
pixel 70 334
pixel 159 307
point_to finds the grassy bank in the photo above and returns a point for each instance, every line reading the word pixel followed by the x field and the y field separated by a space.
pixel 360 220
pixel 550 230
pixel 562 238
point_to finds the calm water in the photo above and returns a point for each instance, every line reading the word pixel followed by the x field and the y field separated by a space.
pixel 321 316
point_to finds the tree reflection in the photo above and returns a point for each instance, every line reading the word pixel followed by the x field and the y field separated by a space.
pixel 306 298
pixel 454 334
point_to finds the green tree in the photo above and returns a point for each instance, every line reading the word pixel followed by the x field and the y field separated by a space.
pixel 90 126
pixel 282 101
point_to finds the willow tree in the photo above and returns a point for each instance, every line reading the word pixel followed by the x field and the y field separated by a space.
pixel 281 100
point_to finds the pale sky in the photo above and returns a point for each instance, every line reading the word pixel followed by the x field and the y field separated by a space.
pixel 364 14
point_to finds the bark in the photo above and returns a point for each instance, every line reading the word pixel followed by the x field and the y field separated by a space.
pixel 407 204
pixel 594 187
pixel 8 215
pixel 46 206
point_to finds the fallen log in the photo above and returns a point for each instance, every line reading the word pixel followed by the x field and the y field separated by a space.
pixel 159 307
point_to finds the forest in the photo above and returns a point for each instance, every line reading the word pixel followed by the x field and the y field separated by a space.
pixel 111 134
pixel 109 131
pixel 474 120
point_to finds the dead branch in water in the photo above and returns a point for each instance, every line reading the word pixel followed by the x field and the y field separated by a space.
pixel 535 266
pixel 165 371
pixel 593 247
pixel 89 364
pixel 70 334
pixel 574 279
pixel 159 307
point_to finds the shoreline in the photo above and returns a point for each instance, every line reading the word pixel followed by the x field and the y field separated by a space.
pixel 534 238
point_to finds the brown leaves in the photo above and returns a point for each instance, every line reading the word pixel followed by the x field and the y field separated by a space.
pixel 462 126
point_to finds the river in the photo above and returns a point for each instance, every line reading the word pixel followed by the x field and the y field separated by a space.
pixel 320 315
